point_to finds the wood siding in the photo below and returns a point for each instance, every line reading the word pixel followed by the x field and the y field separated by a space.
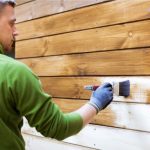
pixel 72 43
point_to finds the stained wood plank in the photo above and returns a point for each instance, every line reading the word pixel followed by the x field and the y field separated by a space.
pixel 48 7
pixel 122 115
pixel 119 11
pixel 127 62
pixel 38 143
pixel 72 87
pixel 101 39
pixel 98 137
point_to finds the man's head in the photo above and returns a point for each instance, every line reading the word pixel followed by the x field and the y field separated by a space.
pixel 7 24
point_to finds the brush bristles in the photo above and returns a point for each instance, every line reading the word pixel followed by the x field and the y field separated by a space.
pixel 124 88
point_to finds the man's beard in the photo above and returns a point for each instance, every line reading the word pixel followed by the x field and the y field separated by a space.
pixel 11 53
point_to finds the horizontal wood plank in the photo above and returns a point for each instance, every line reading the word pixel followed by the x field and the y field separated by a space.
pixel 101 39
pixel 49 7
pixel 122 115
pixel 39 143
pixel 119 11
pixel 73 87
pixel 98 137
pixel 110 138
pixel 22 2
pixel 127 62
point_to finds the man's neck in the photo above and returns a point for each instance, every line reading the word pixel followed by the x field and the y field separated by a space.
pixel 1 49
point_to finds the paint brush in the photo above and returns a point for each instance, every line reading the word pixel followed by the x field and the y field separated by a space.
pixel 119 88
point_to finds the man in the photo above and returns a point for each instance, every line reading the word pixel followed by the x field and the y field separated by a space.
pixel 21 95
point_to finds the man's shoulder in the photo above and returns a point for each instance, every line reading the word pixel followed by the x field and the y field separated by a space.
pixel 9 63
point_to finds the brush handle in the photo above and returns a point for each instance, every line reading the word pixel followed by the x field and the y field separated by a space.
pixel 91 87
pixel 95 87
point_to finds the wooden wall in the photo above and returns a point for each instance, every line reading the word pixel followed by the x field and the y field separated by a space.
pixel 72 43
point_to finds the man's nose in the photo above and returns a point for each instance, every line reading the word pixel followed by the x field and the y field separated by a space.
pixel 15 33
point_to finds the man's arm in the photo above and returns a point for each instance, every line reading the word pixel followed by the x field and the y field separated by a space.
pixel 87 112
pixel 31 101
pixel 42 113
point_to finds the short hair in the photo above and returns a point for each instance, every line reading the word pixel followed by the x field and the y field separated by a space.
pixel 4 3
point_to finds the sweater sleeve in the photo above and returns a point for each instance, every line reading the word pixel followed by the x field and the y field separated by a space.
pixel 37 106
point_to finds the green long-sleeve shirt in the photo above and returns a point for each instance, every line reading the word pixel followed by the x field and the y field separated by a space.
pixel 21 95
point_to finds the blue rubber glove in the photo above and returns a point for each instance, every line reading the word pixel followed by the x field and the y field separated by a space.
pixel 102 97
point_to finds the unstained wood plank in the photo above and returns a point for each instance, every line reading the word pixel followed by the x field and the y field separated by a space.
pixel 22 2
pixel 98 137
pixel 122 115
pixel 49 7
pixel 39 143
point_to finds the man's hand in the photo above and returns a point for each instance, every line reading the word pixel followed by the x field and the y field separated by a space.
pixel 102 97
pixel 99 100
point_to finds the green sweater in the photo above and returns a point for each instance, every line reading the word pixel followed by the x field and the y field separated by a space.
pixel 21 95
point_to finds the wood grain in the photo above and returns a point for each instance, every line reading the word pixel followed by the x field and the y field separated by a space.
pixel 73 87
pixel 122 115
pixel 111 139
pixel 49 7
pixel 127 62
pixel 38 143
pixel 22 2
pixel 99 136
pixel 115 12
pixel 101 39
